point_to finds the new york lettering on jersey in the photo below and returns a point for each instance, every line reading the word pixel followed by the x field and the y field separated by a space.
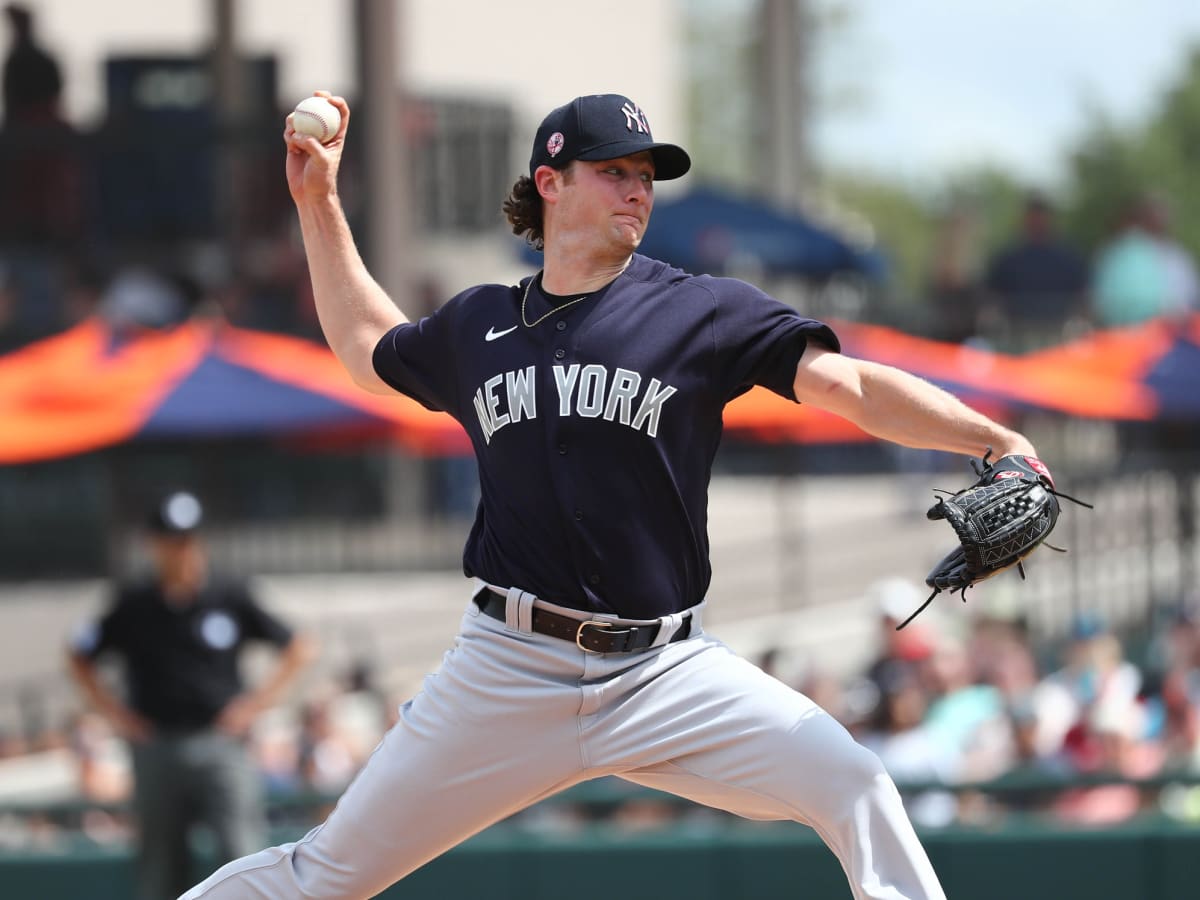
pixel 591 391
pixel 638 373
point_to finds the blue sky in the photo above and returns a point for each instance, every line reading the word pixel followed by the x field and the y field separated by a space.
pixel 936 84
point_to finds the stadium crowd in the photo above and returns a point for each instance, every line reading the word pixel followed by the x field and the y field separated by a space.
pixel 994 705
pixel 975 727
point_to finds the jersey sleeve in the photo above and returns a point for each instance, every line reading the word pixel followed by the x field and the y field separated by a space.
pixel 258 624
pixel 97 634
pixel 418 359
pixel 759 340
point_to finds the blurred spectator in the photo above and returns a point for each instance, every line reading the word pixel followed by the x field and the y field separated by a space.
pixel 32 79
pixel 1000 652
pixel 275 745
pixel 1143 273
pixel 10 329
pixel 908 749
pixel 40 160
pixel 1182 649
pixel 140 297
pixel 1030 758
pixel 180 636
pixel 966 718
pixel 894 599
pixel 1036 284
pixel 1174 708
pixel 1178 712
pixel 1095 674
pixel 275 290
pixel 327 757
pixel 82 291
pixel 103 774
pixel 361 709
pixel 42 181
pixel 953 279
pixel 1109 742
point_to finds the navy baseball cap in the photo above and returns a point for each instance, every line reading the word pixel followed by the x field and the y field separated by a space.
pixel 602 126
pixel 177 513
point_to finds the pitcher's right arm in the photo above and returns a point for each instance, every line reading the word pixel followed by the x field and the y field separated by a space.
pixel 354 311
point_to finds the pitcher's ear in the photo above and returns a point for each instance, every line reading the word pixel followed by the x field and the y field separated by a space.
pixel 548 181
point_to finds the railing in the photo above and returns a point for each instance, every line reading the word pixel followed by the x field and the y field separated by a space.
pixel 600 799
pixel 545 854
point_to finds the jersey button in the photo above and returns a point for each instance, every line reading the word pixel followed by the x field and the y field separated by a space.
pixel 593 579
pixel 560 325
pixel 562 449
pixel 560 353
pixel 579 515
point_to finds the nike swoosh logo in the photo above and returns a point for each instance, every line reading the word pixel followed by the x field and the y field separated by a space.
pixel 493 333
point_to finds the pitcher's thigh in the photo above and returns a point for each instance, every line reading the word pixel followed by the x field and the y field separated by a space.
pixel 745 742
pixel 759 749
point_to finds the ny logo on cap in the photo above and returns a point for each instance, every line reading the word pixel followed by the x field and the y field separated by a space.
pixel 635 116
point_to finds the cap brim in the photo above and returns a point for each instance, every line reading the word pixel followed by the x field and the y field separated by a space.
pixel 670 161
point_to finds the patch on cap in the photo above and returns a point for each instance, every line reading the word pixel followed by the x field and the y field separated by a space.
pixel 555 144
pixel 180 512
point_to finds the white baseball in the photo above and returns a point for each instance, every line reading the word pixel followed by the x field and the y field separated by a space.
pixel 318 117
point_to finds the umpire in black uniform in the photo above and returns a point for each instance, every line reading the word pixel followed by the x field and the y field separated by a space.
pixel 186 711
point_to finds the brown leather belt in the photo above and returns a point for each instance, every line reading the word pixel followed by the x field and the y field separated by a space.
pixel 592 635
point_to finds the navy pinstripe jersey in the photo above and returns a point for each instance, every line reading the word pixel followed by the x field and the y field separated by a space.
pixel 595 430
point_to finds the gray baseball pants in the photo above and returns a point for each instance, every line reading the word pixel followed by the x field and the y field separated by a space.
pixel 513 716
pixel 204 778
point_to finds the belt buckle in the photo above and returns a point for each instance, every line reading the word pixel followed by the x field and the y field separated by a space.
pixel 595 623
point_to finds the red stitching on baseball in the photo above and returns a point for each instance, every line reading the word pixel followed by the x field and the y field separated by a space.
pixel 324 125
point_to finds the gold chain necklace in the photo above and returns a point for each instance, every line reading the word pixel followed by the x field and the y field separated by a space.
pixel 545 316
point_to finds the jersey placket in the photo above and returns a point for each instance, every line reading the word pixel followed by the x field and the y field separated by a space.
pixel 560 349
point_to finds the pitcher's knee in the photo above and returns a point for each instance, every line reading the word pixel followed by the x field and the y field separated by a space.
pixel 848 780
pixel 321 877
pixel 289 870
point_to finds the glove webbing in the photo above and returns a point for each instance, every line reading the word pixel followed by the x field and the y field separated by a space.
pixel 1020 565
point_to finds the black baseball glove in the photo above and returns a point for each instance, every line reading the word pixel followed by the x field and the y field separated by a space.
pixel 999 520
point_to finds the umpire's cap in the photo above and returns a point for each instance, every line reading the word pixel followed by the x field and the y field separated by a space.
pixel 602 126
pixel 177 513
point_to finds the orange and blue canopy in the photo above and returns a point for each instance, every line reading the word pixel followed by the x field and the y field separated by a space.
pixel 90 388
pixel 1096 378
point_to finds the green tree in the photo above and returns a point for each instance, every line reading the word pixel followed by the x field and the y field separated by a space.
pixel 719 57
pixel 906 219
pixel 1111 165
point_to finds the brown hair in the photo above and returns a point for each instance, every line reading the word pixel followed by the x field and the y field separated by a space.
pixel 523 208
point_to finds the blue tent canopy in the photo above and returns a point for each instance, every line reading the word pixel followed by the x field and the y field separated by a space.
pixel 220 397
pixel 707 229
pixel 1174 379
pixel 710 231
